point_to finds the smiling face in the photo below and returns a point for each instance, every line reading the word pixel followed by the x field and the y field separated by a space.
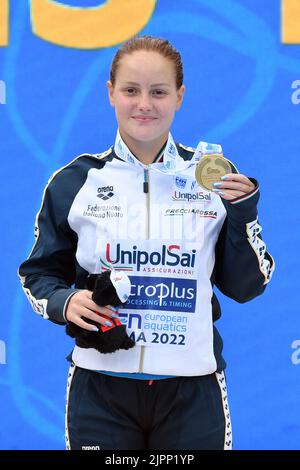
pixel 145 98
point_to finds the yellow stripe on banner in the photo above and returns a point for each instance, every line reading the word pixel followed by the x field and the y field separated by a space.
pixel 109 24
pixel 290 21
pixel 3 23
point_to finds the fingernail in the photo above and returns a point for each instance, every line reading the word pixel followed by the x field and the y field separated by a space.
pixel 114 315
pixel 95 328
pixel 225 177
pixel 217 191
pixel 114 309
pixel 217 184
pixel 108 323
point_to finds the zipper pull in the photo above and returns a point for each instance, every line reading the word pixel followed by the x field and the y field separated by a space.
pixel 146 183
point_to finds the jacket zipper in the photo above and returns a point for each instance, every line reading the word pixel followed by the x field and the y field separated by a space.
pixel 147 236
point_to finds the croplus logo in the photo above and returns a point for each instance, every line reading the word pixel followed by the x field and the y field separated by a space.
pixel 128 259
pixel 161 293
pixel 106 192
pixel 199 196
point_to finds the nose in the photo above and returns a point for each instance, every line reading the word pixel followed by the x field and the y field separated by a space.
pixel 144 103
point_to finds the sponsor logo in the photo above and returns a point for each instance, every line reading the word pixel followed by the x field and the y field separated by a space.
pixel 161 293
pixel 106 192
pixel 130 259
pixel 185 211
pixel 154 321
pixel 90 447
pixel 180 182
pixel 196 197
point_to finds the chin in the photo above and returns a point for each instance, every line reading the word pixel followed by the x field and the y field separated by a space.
pixel 145 135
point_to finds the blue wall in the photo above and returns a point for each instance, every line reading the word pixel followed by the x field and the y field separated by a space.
pixel 239 93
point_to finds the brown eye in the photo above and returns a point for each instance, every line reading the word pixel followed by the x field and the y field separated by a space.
pixel 159 92
pixel 130 91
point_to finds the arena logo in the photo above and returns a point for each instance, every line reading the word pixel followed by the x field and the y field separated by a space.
pixel 106 192
pixel 168 256
pixel 90 448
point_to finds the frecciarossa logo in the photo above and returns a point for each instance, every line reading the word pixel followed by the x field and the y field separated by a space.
pixel 129 259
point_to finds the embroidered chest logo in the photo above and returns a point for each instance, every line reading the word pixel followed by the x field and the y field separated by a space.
pixel 180 182
pixel 106 192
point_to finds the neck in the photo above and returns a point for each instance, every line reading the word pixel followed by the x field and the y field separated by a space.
pixel 145 152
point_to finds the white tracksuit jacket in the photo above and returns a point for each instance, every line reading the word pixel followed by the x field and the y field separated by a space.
pixel 175 241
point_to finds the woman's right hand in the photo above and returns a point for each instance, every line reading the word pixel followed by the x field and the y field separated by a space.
pixel 81 305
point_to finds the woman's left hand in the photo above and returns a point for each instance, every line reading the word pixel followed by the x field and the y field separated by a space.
pixel 233 185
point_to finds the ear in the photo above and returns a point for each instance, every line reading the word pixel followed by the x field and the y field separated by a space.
pixel 110 93
pixel 180 94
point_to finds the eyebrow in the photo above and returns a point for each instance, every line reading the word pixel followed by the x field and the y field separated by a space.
pixel 154 85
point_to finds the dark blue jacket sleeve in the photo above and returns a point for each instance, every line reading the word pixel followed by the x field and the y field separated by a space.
pixel 51 269
pixel 243 266
pixel 49 272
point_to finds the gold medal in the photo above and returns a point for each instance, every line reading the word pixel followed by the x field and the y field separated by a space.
pixel 211 168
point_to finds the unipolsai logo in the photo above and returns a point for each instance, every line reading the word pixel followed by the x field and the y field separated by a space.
pixel 171 256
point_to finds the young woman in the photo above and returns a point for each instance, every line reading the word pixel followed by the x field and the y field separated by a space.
pixel 137 207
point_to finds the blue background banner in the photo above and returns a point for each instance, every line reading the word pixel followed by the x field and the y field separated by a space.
pixel 242 92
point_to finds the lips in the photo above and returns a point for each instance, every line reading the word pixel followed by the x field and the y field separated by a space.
pixel 144 118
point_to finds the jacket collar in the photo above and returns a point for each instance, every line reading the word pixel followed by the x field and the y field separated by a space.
pixel 171 158
pixel 172 161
